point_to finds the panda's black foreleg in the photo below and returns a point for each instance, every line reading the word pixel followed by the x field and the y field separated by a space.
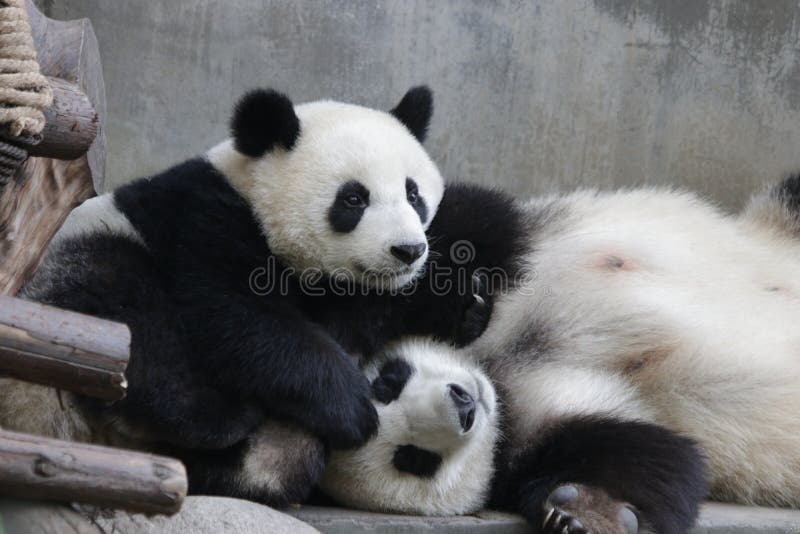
pixel 293 369
pixel 590 473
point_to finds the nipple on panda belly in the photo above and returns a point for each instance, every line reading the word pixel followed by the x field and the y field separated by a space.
pixel 642 364
pixel 613 262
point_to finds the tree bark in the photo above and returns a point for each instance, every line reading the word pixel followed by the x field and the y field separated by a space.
pixel 32 208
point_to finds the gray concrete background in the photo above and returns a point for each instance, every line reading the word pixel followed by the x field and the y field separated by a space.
pixel 532 95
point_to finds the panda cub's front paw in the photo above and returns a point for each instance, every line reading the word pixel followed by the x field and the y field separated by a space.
pixel 578 509
pixel 476 312
pixel 346 416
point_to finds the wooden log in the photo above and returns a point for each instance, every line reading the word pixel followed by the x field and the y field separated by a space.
pixel 32 208
pixel 68 50
pixel 48 469
pixel 63 349
pixel 72 123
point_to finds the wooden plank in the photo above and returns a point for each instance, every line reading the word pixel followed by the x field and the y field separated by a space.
pixel 63 349
pixel 47 469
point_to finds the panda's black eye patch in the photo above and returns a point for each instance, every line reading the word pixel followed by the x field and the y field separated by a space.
pixel 416 201
pixel 392 379
pixel 416 461
pixel 351 200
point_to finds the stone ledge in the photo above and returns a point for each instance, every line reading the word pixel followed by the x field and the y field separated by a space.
pixel 216 515
pixel 714 519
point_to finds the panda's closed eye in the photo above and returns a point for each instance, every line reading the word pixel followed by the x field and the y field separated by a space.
pixel 392 379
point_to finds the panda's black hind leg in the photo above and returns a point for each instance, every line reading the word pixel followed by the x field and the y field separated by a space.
pixel 603 475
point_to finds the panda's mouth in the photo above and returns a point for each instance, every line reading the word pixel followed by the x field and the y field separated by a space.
pixel 385 274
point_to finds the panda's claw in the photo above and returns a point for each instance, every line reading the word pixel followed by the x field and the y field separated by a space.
pixel 557 521
pixel 580 509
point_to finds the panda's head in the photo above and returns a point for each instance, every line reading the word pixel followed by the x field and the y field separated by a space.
pixel 338 188
pixel 434 451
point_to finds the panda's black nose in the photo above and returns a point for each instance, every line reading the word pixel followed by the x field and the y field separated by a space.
pixel 465 405
pixel 408 254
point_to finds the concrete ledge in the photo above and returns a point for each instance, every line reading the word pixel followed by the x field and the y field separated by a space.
pixel 199 515
pixel 714 519
pixel 215 515
pixel 343 521
pixel 718 518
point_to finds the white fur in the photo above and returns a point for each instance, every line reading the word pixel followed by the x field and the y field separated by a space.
pixel 424 416
pixel 291 191
pixel 97 215
pixel 653 305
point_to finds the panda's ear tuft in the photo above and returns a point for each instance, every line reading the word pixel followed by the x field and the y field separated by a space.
pixel 415 111
pixel 262 120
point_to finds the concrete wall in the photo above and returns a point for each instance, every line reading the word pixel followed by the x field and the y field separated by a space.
pixel 532 95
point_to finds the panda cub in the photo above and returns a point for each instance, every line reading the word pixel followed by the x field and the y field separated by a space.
pixel 252 280
pixel 434 450
pixel 440 439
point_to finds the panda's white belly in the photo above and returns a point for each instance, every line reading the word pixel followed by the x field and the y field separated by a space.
pixel 654 306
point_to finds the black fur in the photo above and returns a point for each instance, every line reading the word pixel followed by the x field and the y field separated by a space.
pixel 788 193
pixel 416 201
pixel 416 461
pixel 210 357
pixel 218 472
pixel 348 207
pixel 648 466
pixel 392 379
pixel 415 111
pixel 264 119
pixel 477 240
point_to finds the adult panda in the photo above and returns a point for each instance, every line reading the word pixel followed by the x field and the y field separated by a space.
pixel 648 360
pixel 251 279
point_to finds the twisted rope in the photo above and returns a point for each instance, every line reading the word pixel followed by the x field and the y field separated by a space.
pixel 24 91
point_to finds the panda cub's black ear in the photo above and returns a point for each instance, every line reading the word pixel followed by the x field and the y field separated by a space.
pixel 415 111
pixel 262 120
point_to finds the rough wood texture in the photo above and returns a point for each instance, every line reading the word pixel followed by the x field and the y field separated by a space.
pixel 64 349
pixel 72 123
pixel 32 208
pixel 48 469
pixel 34 204
pixel 68 50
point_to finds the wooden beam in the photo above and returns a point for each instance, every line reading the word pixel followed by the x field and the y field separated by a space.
pixel 72 123
pixel 63 349
pixel 68 50
pixel 42 468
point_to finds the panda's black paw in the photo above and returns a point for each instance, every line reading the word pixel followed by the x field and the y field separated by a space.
pixel 346 417
pixel 579 509
pixel 475 314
